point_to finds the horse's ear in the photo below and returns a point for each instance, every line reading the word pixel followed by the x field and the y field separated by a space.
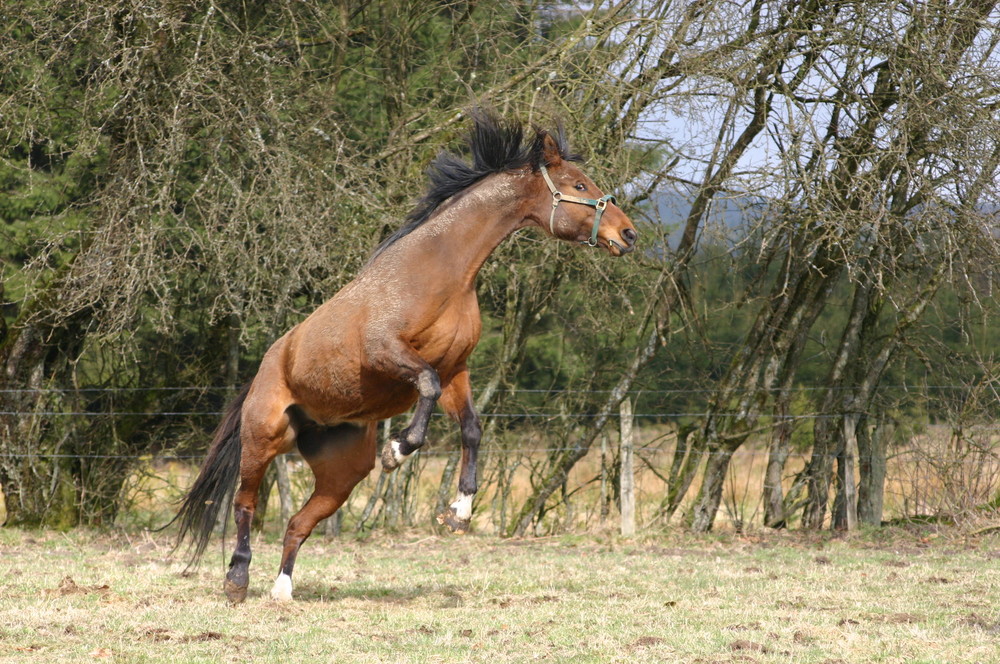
pixel 551 153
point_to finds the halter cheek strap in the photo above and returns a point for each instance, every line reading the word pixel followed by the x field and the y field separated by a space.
pixel 599 205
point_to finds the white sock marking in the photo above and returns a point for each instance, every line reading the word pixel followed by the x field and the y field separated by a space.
pixel 282 590
pixel 463 506
pixel 396 454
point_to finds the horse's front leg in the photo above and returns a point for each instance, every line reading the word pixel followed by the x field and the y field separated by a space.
pixel 456 400
pixel 411 368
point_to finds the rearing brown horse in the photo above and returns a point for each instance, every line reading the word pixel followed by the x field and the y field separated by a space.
pixel 399 334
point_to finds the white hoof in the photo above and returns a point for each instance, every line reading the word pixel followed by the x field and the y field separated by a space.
pixel 282 590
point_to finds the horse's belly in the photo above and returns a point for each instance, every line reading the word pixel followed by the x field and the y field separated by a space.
pixel 330 395
pixel 327 378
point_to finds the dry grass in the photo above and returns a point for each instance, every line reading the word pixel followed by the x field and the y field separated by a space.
pixel 929 476
pixel 891 596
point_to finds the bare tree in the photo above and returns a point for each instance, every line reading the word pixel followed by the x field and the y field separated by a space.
pixel 233 165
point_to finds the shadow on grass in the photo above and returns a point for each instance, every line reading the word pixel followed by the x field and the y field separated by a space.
pixel 445 596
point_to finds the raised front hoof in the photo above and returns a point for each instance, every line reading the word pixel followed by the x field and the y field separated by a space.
pixel 391 457
pixel 234 593
pixel 451 520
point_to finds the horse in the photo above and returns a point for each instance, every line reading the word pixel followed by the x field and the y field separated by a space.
pixel 399 334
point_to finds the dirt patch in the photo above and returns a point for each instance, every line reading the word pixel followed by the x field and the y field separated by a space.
pixel 157 634
pixel 69 587
pixel 742 645
pixel 977 621
pixel 162 634
pixel 896 563
pixel 743 626
pixel 646 642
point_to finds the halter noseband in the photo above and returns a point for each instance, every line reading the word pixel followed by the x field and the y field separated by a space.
pixel 598 204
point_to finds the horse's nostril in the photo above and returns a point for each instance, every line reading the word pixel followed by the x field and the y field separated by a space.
pixel 630 236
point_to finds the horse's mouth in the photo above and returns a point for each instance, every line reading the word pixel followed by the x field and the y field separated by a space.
pixel 618 249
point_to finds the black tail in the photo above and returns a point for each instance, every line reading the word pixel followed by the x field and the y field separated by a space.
pixel 200 510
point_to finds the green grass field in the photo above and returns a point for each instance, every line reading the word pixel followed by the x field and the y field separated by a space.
pixel 891 596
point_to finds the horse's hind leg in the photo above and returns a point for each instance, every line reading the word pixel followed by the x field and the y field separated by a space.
pixel 340 457
pixel 262 439
pixel 456 400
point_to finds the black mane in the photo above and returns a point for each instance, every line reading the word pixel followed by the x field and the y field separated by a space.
pixel 495 145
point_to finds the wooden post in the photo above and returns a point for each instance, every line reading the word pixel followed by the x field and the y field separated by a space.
pixel 284 490
pixel 849 487
pixel 845 507
pixel 391 499
pixel 627 470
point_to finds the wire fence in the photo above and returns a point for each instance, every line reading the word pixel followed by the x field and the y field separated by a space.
pixel 925 473
pixel 108 411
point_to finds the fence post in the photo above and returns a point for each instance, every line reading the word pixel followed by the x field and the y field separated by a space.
pixel 848 518
pixel 627 470
pixel 284 491
pixel 392 500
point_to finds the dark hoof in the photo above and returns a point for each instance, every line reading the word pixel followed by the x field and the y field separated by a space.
pixel 389 460
pixel 234 593
pixel 236 584
pixel 450 519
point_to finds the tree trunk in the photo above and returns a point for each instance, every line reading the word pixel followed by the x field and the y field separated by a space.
pixel 872 445
pixel 683 468
pixel 40 484
pixel 706 506
pixel 605 506
pixel 778 450
pixel 263 498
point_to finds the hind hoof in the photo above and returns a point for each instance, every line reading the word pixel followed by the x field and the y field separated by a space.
pixel 391 456
pixel 235 585
pixel 449 519
pixel 282 590
pixel 234 593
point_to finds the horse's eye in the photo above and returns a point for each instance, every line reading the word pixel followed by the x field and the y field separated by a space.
pixel 581 186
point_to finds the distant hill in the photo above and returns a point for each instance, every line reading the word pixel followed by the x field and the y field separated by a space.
pixel 728 220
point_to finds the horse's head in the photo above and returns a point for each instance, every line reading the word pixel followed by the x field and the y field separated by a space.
pixel 572 208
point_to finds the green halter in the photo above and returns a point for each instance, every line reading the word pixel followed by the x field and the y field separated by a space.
pixel 598 204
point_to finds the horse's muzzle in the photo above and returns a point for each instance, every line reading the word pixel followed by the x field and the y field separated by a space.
pixel 629 236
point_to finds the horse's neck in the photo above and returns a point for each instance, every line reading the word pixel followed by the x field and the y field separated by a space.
pixel 463 232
